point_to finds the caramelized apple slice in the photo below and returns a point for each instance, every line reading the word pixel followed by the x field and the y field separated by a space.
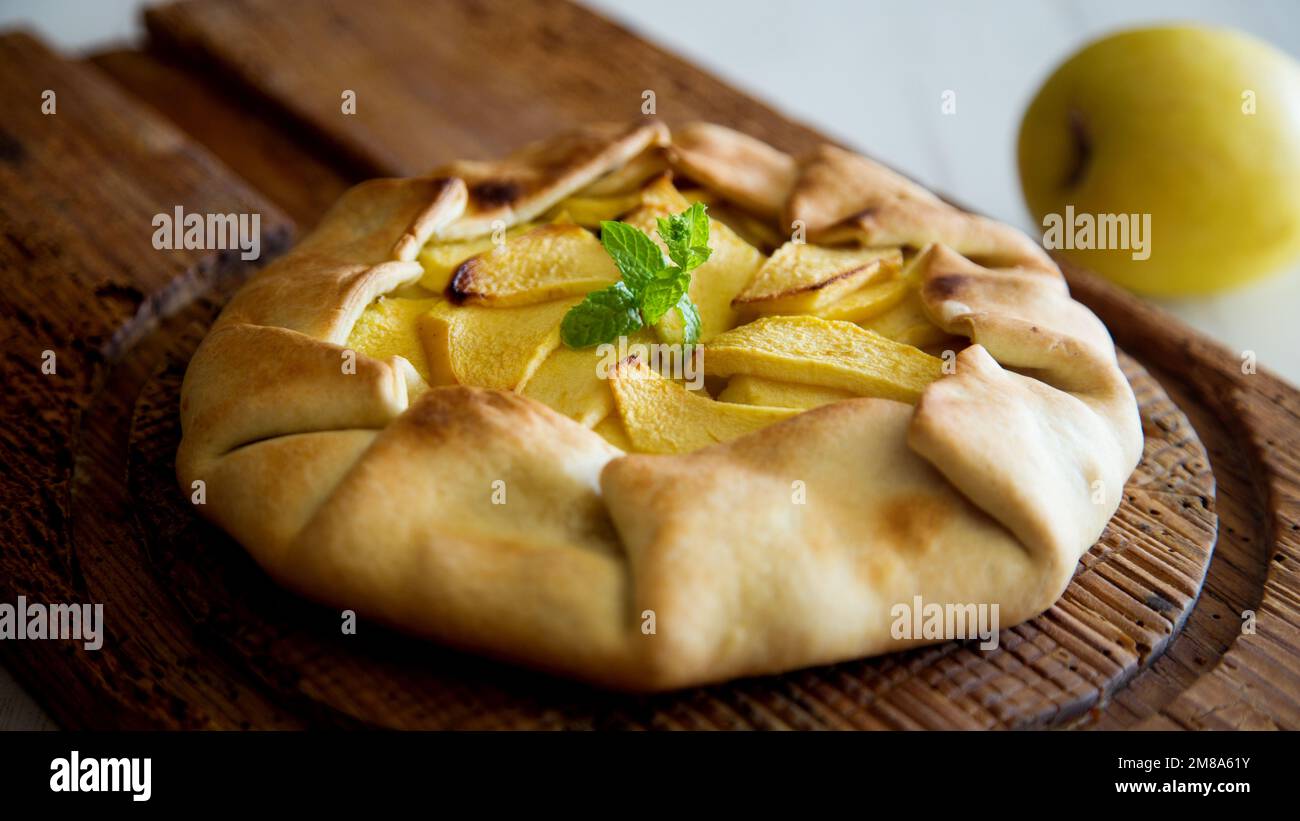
pixel 830 353
pixel 387 327
pixel 497 348
pixel 661 416
pixel 569 382
pixel 441 259
pixel 801 278
pixel 715 283
pixel 866 302
pixel 546 263
pixel 747 389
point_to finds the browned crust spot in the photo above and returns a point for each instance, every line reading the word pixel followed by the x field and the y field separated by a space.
pixel 490 194
pixel 945 286
pixel 913 520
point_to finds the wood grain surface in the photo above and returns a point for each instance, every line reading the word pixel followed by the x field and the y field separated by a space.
pixel 426 95
pixel 1252 421
pixel 83 280
pixel 447 80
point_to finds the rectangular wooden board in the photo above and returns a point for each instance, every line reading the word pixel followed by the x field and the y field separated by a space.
pixel 84 169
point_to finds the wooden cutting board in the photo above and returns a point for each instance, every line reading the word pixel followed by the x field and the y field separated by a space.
pixel 202 639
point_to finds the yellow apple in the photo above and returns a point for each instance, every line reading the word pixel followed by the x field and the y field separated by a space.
pixel 1199 128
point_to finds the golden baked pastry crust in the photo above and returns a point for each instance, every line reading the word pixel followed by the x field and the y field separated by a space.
pixel 366 489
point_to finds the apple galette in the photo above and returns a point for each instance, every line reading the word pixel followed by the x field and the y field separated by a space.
pixel 656 411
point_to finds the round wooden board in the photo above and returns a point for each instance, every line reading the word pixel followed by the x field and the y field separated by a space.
pixel 1130 596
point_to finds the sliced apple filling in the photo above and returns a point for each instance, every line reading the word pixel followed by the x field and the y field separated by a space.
pixel 611 430
pixel 441 259
pixel 747 389
pixel 589 212
pixel 549 262
pixel 569 381
pixel 866 302
pixel 490 317
pixel 497 348
pixel 801 278
pixel 829 353
pixel 660 415
pixel 906 322
pixel 387 328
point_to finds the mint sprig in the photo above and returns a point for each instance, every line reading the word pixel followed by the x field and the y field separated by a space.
pixel 687 237
pixel 651 291
pixel 635 255
pixel 662 294
pixel 604 315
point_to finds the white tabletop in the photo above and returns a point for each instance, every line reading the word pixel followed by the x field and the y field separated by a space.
pixel 871 73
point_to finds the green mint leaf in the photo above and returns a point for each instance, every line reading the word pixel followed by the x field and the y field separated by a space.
pixel 663 293
pixel 680 326
pixel 690 320
pixel 603 316
pixel 687 236
pixel 636 256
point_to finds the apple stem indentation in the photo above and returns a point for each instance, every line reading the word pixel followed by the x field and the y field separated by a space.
pixel 1082 149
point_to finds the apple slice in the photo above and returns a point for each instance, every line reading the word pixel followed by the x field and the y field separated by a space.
pixel 549 262
pixel 866 302
pixel 441 259
pixel 387 327
pixel 801 278
pixel 906 322
pixel 830 353
pixel 747 389
pixel 589 212
pixel 611 430
pixel 569 382
pixel 659 198
pixel 715 283
pixel 661 416
pixel 497 348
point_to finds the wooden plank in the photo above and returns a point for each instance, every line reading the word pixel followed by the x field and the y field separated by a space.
pixel 436 82
pixel 83 281
pixel 252 142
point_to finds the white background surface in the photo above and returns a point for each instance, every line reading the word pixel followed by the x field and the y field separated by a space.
pixel 871 74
